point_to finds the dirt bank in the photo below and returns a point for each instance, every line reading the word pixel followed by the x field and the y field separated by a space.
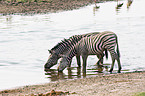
pixel 123 84
pixel 42 7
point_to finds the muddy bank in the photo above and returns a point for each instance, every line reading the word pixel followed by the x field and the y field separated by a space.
pixel 42 7
pixel 123 84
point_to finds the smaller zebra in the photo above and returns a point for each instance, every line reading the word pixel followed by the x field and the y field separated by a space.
pixel 59 49
pixel 93 45
pixel 64 46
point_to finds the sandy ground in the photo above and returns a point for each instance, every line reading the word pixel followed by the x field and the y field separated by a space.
pixel 123 84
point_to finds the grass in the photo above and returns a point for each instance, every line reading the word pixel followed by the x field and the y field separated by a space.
pixel 140 94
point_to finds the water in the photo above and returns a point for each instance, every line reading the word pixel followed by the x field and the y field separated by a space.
pixel 24 41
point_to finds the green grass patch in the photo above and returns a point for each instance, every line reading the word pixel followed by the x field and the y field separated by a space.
pixel 140 94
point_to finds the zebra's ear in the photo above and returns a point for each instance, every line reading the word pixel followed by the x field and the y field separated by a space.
pixel 49 51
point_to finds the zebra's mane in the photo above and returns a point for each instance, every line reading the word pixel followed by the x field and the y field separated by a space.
pixel 64 41
pixel 73 38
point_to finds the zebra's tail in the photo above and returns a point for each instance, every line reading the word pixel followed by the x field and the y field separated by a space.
pixel 118 53
pixel 106 54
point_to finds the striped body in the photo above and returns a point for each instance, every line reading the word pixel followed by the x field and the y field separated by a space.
pixel 62 47
pixel 93 45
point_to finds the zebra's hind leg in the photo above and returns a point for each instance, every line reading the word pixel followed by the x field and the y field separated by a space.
pixel 113 61
pixel 119 65
pixel 115 56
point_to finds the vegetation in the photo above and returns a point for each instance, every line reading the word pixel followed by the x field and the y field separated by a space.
pixel 140 94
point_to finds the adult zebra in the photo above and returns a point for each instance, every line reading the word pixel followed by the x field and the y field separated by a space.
pixel 93 45
pixel 64 46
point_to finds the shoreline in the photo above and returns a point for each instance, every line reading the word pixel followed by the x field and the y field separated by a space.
pixel 51 6
pixel 122 84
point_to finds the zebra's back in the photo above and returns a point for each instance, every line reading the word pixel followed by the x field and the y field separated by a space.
pixel 96 44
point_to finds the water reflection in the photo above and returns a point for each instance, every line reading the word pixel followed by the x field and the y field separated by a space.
pixel 95 9
pixel 75 73
pixel 118 7
pixel 9 18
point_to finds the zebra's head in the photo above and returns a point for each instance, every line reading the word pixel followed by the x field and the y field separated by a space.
pixel 52 60
pixel 63 64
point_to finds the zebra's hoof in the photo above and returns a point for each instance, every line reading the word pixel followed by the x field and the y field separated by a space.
pixel 110 70
pixel 100 66
pixel 119 71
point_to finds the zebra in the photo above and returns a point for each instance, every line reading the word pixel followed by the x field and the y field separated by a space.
pixel 62 47
pixel 93 45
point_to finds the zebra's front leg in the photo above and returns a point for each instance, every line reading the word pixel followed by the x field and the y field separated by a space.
pixel 78 60
pixel 84 57
pixel 69 63
pixel 100 62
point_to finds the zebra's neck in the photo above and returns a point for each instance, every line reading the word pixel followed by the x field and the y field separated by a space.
pixel 71 54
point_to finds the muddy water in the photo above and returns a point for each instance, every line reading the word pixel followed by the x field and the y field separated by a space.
pixel 24 41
